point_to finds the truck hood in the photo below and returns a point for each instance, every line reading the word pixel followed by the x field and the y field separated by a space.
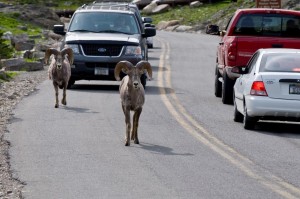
pixel 109 38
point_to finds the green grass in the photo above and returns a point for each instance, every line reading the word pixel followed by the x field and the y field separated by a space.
pixel 193 16
pixel 8 76
pixel 10 22
pixel 190 16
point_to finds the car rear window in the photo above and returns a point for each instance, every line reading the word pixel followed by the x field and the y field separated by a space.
pixel 278 25
pixel 280 62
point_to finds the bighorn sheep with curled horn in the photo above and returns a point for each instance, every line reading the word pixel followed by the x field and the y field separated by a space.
pixel 132 94
pixel 59 70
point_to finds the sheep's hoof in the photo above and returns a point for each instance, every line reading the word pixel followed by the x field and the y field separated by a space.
pixel 127 144
pixel 136 141
pixel 64 102
pixel 56 106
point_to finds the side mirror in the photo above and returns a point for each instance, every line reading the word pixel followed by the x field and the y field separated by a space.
pixel 149 25
pixel 149 32
pixel 59 29
pixel 222 33
pixel 147 19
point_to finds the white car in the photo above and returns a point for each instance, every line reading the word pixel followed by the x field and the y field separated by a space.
pixel 268 87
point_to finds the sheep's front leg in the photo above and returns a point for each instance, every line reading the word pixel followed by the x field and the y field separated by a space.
pixel 128 127
pixel 56 95
pixel 64 99
pixel 134 133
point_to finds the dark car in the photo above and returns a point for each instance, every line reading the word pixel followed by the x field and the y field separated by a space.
pixel 100 37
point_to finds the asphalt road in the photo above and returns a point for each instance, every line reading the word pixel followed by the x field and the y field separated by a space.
pixel 189 145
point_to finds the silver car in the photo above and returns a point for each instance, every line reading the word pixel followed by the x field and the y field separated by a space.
pixel 268 87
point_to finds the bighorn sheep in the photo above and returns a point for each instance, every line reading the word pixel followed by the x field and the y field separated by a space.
pixel 59 70
pixel 132 94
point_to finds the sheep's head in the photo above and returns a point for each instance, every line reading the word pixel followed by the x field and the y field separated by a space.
pixel 59 56
pixel 134 72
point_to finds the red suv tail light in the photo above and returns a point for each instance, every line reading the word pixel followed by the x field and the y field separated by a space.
pixel 232 51
pixel 258 88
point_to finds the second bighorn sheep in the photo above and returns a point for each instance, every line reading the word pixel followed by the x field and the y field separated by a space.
pixel 132 94
pixel 59 70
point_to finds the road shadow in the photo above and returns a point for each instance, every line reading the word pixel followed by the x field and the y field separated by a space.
pixel 157 149
pixel 282 129
pixel 156 90
pixel 94 87
pixel 78 110
pixel 150 90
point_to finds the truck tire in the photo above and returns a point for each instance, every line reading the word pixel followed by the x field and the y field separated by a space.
pixel 144 80
pixel 218 84
pixel 70 83
pixel 227 89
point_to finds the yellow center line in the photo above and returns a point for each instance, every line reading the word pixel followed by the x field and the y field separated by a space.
pixel 247 166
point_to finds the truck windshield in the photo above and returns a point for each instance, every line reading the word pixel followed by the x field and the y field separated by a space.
pixel 108 22
pixel 276 25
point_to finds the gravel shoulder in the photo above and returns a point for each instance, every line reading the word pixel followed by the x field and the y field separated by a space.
pixel 11 93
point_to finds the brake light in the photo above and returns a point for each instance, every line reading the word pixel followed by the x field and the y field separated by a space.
pixel 232 51
pixel 258 88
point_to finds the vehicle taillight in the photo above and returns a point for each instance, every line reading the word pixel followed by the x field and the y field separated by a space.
pixel 232 51
pixel 258 88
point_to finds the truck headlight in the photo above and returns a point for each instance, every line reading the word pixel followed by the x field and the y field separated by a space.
pixel 133 50
pixel 74 47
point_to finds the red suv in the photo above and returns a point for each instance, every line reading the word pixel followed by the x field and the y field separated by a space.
pixel 247 31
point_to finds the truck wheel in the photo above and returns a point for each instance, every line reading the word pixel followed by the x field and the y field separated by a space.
pixel 218 84
pixel 70 83
pixel 227 89
pixel 144 80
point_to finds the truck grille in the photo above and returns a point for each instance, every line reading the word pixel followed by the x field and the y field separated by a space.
pixel 101 50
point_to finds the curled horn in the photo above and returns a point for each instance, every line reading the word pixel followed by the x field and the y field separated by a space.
pixel 69 52
pixel 120 66
pixel 144 65
pixel 49 52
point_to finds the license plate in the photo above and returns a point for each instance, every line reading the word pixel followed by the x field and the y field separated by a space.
pixel 295 89
pixel 101 71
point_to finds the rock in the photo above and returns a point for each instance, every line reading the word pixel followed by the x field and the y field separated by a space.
pixel 195 4
pixel 24 45
pixel 7 35
pixel 161 8
pixel 149 8
pixel 183 28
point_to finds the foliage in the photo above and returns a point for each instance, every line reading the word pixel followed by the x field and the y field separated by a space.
pixel 8 75
pixel 5 49
pixel 192 16
pixel 10 22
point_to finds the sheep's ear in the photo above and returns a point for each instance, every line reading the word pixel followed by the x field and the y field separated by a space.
pixel 144 65
pixel 48 53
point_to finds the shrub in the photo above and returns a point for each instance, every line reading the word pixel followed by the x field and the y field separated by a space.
pixel 6 51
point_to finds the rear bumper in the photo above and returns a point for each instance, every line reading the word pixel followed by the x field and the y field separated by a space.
pixel 275 109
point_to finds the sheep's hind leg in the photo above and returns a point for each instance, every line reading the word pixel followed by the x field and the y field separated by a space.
pixel 134 133
pixel 56 95
pixel 64 99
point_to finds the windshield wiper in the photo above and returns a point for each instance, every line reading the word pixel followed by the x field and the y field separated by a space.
pixel 115 31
